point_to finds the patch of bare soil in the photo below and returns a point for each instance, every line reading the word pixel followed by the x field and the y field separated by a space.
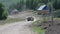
pixel 17 28
pixel 51 29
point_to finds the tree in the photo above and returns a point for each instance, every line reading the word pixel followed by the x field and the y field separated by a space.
pixel 32 4
pixel 18 5
pixel 44 1
pixel 3 14
pixel 56 4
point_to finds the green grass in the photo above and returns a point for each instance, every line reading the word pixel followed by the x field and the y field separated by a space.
pixel 10 20
pixel 37 28
pixel 56 18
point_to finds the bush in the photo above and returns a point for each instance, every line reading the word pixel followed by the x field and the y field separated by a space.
pixel 3 14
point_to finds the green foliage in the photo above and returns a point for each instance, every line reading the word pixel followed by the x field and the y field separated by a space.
pixel 57 14
pixel 7 3
pixel 3 15
pixel 56 4
pixel 40 30
pixel 18 5
pixel 44 1
pixel 32 4
pixel 50 6
pixel 37 28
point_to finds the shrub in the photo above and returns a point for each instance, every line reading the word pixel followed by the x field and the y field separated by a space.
pixel 3 14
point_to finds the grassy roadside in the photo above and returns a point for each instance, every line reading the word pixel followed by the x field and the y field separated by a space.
pixel 56 18
pixel 39 30
pixel 10 20
pixel 36 28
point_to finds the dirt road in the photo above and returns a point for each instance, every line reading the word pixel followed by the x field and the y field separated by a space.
pixel 17 28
